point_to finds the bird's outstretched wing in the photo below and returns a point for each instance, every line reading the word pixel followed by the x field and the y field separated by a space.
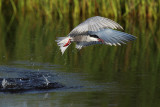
pixel 113 37
pixel 94 24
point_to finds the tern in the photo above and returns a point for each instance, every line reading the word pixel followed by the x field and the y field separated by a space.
pixel 95 30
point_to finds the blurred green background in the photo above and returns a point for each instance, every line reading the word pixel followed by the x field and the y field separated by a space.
pixel 28 29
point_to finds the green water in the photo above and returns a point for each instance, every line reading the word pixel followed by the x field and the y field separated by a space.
pixel 122 76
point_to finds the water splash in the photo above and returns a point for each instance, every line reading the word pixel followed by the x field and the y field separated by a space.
pixel 47 81
pixel 4 83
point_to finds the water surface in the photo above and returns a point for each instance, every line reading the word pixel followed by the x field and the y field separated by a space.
pixel 107 76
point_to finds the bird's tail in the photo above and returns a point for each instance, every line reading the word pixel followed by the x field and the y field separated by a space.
pixel 63 43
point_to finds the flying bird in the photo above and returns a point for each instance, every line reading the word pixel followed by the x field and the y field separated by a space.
pixel 95 30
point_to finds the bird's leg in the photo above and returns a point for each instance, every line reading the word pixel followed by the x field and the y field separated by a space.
pixel 69 42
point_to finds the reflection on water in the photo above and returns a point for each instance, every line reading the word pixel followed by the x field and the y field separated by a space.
pixel 83 89
pixel 72 81
pixel 77 87
pixel 99 75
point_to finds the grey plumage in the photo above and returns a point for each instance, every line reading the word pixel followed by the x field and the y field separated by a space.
pixel 79 45
pixel 96 23
pixel 113 37
pixel 95 30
